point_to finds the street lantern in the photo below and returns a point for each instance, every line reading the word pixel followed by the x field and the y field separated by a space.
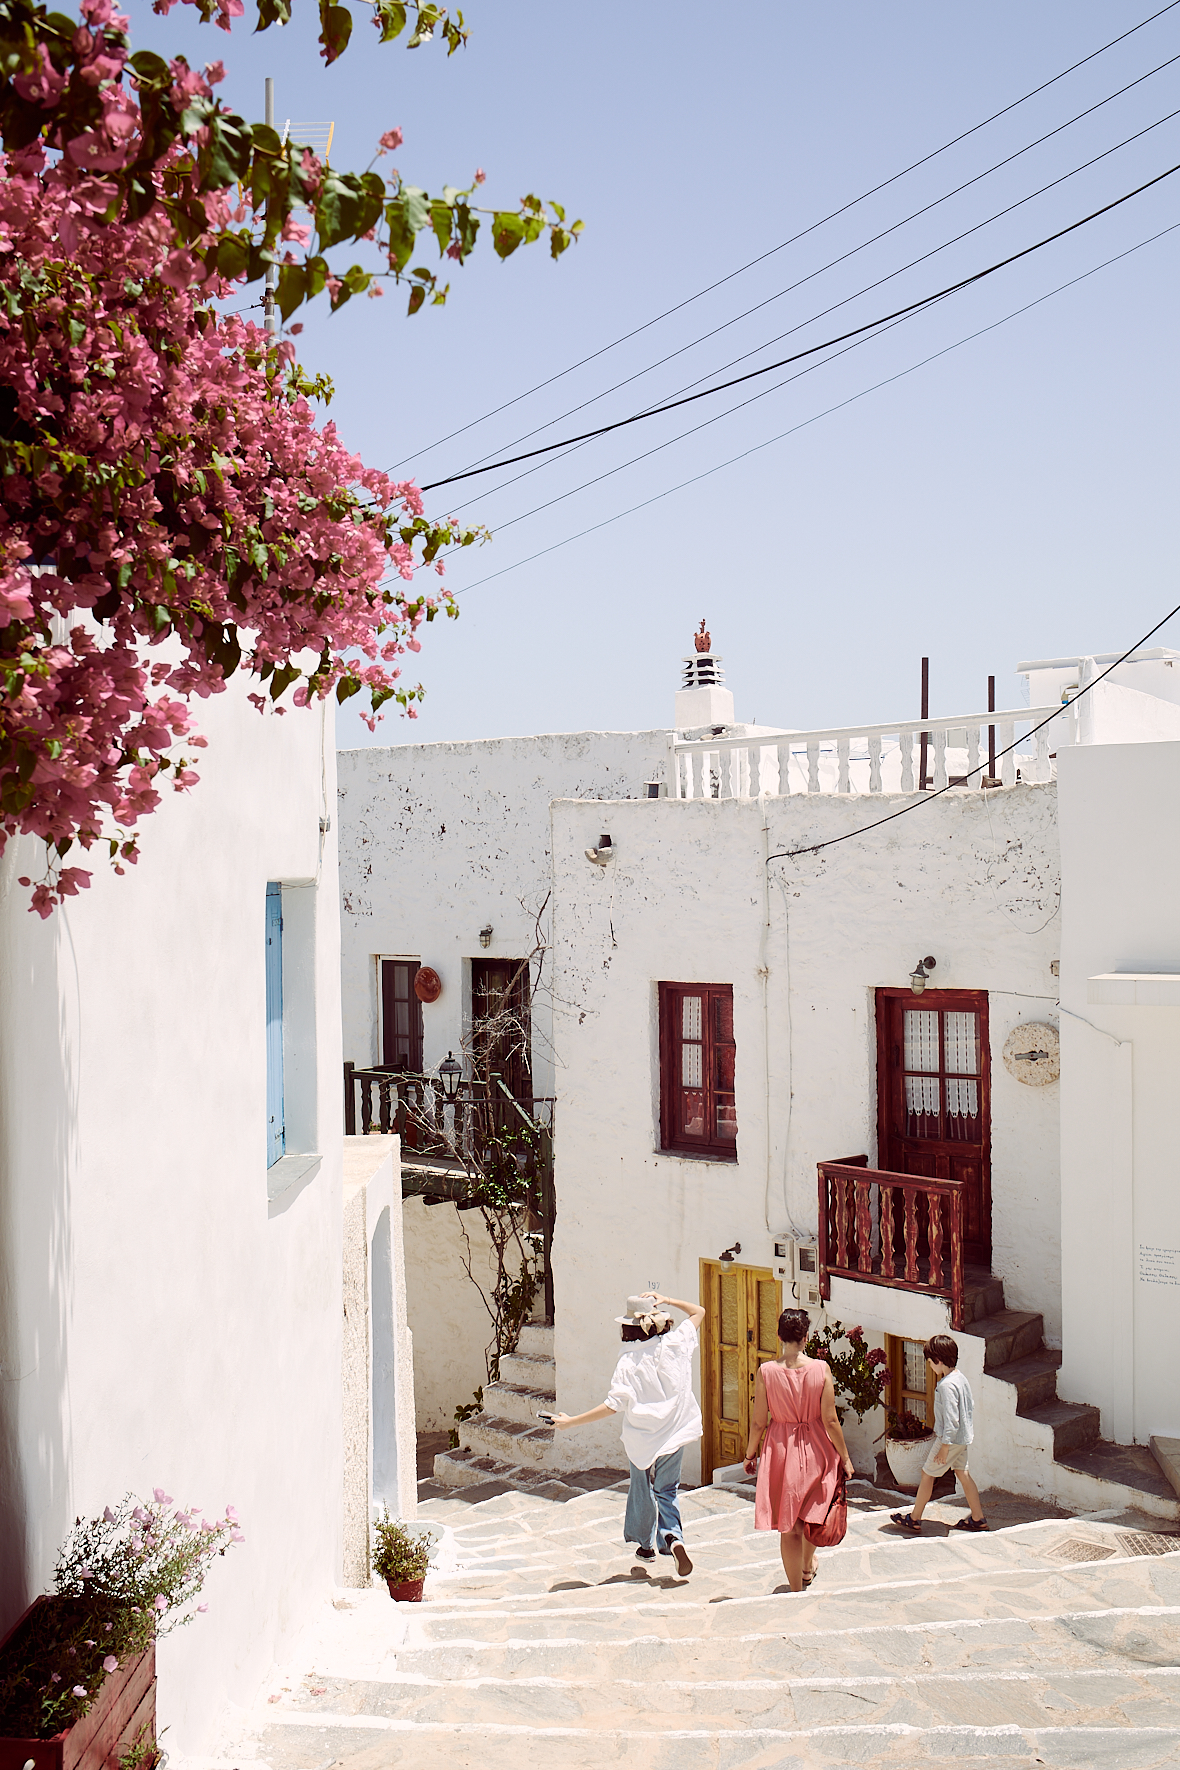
pixel 918 975
pixel 450 1074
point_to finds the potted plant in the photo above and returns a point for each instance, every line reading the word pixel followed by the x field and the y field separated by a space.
pixel 907 1445
pixel 400 1559
pixel 78 1669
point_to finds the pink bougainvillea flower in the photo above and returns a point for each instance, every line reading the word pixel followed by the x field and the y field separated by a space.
pixel 231 1513
pixel 78 1690
pixel 236 1536
pixel 389 142
pixel 108 1515
pixel 160 1602
pixel 165 1499
pixel 480 175
pixel 110 1663
pixel 202 1608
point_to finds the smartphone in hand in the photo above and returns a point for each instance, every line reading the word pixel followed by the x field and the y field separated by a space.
pixel 546 1418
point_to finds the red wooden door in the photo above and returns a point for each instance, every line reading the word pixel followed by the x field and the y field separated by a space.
pixel 934 1097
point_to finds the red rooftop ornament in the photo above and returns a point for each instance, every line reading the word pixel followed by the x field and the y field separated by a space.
pixel 702 640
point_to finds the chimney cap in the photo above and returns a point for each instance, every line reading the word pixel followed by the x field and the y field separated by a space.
pixel 702 639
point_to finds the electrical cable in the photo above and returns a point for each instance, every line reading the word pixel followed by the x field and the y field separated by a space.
pixel 805 423
pixel 851 253
pixel 928 798
pixel 787 380
pixel 812 349
pixel 783 244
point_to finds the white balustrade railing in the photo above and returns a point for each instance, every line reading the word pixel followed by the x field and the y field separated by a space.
pixel 870 758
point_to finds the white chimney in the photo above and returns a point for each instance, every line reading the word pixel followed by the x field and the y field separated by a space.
pixel 701 698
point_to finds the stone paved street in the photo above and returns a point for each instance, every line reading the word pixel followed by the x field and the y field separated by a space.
pixel 1050 1641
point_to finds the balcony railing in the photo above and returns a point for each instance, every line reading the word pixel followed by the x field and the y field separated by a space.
pixel 869 758
pixel 899 1230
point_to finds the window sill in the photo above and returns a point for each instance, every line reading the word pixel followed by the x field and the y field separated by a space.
pixel 288 1171
pixel 714 1159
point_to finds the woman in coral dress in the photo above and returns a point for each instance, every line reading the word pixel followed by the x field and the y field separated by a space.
pixel 795 1405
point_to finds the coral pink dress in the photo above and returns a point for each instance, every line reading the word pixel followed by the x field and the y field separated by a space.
pixel 799 1466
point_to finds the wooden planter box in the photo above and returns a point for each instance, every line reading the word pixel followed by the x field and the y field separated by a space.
pixel 125 1705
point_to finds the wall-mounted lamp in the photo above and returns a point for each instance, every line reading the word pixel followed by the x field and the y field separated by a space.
pixel 450 1074
pixel 603 854
pixel 730 1254
pixel 918 974
pixel 485 934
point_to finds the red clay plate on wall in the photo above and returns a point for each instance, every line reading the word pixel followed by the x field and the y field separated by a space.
pixel 427 984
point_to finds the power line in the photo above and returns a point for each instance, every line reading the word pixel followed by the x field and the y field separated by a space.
pixel 843 258
pixel 805 423
pixel 834 308
pixel 784 362
pixel 928 798
pixel 794 238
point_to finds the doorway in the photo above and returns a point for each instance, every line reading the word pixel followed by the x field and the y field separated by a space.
pixel 401 1017
pixel 742 1306
pixel 934 1098
pixel 501 1024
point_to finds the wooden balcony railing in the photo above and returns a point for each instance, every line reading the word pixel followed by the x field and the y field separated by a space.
pixel 899 1230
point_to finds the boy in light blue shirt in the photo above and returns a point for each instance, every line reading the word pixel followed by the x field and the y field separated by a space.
pixel 954 1408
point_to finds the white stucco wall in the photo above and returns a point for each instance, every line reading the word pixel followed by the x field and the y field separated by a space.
pixel 971 878
pixel 438 840
pixel 161 1320
pixel 447 1319
pixel 1120 836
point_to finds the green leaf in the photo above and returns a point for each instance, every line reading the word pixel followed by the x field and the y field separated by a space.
pixel 391 15
pixel 335 30
pixel 508 230
pixel 273 12
pixel 282 679
pixel 292 289
pixel 225 156
pixel 440 220
pixel 233 255
pixel 417 297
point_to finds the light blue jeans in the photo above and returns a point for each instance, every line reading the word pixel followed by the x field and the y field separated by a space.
pixel 651 1501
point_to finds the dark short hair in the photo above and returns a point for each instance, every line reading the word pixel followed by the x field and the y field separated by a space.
pixel 794 1326
pixel 630 1332
pixel 941 1349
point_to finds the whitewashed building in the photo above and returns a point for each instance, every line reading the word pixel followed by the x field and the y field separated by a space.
pixel 180 1218
pixel 745 982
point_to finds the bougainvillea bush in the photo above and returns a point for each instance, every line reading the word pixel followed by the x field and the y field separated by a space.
pixel 859 1375
pixel 122 1580
pixel 171 511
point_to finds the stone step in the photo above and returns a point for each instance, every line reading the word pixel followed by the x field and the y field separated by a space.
pixel 678 1615
pixel 466 1468
pixel 983 1293
pixel 516 1401
pixel 513 1441
pixel 1008 1335
pixel 536 1340
pixel 727 1705
pixel 1034 1378
pixel 1126 1468
pixel 532 1369
pixel 443 1746
pixel 1074 1425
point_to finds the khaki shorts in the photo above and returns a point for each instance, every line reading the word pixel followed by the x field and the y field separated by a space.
pixel 956 1458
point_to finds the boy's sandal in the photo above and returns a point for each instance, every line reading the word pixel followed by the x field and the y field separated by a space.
pixel 970 1523
pixel 906 1520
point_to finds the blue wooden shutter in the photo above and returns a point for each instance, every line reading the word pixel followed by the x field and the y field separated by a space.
pixel 275 1141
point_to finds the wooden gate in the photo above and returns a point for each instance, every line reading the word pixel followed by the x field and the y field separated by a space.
pixel 742 1306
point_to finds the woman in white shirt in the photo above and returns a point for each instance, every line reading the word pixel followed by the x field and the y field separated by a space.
pixel 652 1389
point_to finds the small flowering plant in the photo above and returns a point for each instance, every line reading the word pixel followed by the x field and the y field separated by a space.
pixel 858 1374
pixel 121 1580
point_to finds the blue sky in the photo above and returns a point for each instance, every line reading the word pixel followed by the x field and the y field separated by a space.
pixel 1013 498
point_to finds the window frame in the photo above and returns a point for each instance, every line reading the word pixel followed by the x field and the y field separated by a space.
pixel 673 1139
pixel 386 1004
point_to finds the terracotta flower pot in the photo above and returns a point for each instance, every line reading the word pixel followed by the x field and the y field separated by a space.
pixel 905 1457
pixel 123 1709
pixel 408 1592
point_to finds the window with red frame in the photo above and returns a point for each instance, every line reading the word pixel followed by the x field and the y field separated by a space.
pixel 698 1114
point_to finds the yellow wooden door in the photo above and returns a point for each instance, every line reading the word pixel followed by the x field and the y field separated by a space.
pixel 742 1305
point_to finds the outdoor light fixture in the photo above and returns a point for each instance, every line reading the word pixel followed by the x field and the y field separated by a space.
pixel 450 1074
pixel 918 975
pixel 485 934
pixel 730 1254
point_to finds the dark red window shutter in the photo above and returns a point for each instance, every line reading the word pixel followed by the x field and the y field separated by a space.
pixel 698 1111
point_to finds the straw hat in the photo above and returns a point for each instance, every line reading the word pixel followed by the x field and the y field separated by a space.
pixel 643 1313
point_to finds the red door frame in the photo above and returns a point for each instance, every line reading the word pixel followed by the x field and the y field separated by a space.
pixel 892 1142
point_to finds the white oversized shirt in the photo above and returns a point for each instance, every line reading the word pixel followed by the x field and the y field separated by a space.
pixel 652 1389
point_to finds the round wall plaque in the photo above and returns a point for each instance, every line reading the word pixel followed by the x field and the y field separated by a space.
pixel 427 984
pixel 1032 1054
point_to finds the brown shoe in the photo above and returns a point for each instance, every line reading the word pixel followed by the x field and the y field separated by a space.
pixel 683 1564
